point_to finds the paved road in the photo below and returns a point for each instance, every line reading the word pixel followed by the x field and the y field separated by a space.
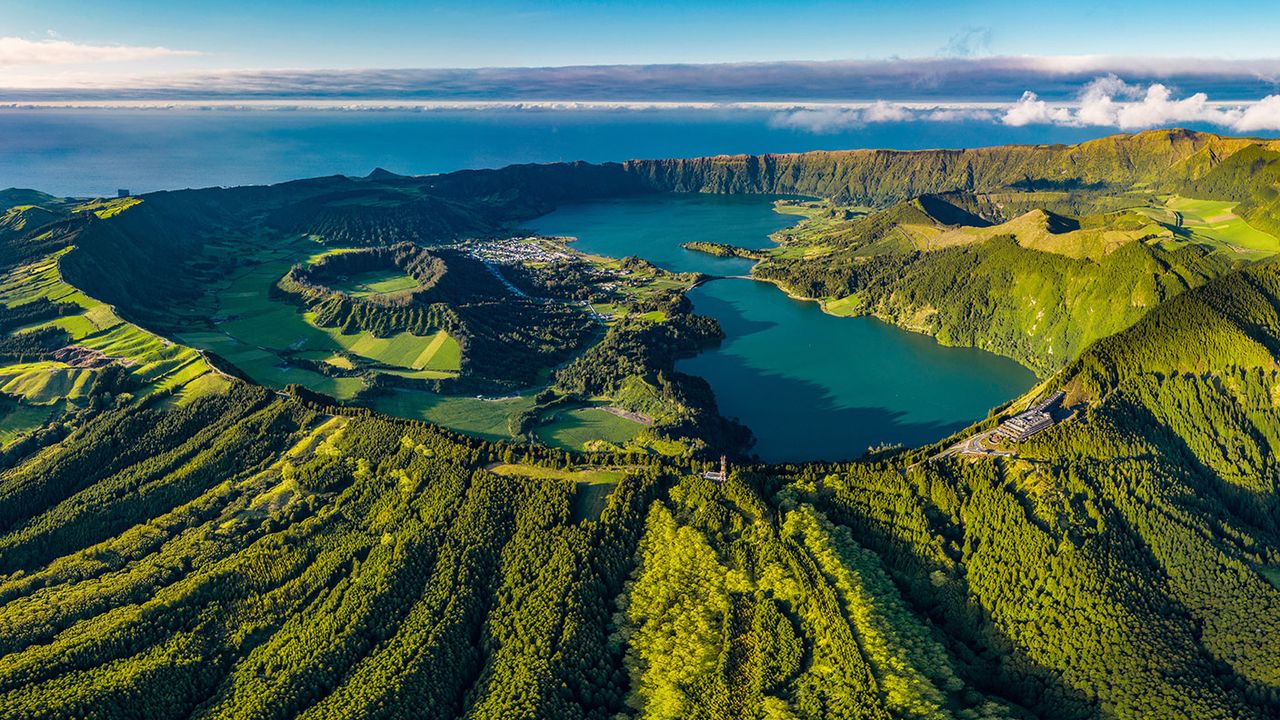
pixel 503 279
pixel 973 446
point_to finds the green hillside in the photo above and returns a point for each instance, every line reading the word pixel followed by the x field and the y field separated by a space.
pixel 277 559
pixel 245 531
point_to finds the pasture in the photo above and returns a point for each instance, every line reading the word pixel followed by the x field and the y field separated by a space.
pixel 592 485
pixel 1214 222
pixel 846 306
pixel 258 333
pixel 156 363
pixel 377 282
pixel 16 420
pixel 475 416
pixel 574 429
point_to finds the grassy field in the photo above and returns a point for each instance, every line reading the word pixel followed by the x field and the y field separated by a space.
pixel 844 307
pixel 377 282
pixel 15 420
pixel 154 361
pixel 474 416
pixel 44 382
pixel 259 334
pixel 593 485
pixel 255 332
pixel 586 475
pixel 573 429
pixel 1215 222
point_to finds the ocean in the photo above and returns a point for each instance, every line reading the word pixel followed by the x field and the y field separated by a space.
pixel 84 152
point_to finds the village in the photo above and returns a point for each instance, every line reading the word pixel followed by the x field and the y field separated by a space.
pixel 517 250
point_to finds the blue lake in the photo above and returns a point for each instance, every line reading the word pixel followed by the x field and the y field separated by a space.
pixel 810 385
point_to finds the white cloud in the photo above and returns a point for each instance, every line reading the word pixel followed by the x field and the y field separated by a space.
pixel 958 114
pixel 1262 115
pixel 1108 101
pixel 15 51
pixel 1158 108
pixel 820 121
pixel 887 112
pixel 1097 99
pixel 1031 110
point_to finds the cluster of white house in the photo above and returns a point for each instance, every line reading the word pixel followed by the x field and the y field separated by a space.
pixel 516 250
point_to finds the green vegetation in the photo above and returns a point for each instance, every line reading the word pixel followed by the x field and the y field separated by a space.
pixel 1215 224
pixel 722 250
pixel 272 556
pixel 377 282
pixel 77 339
pixel 581 428
pixel 1038 287
pixel 179 543
pixel 489 419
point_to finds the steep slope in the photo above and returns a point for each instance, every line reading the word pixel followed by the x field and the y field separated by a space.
pixel 1157 158
pixel 1040 308
pixel 1251 176
pixel 250 555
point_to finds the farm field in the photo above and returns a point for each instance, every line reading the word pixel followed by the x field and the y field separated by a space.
pixel 16 420
pixel 44 382
pixel 253 331
pixel 377 282
pixel 588 475
pixel 574 429
pixel 156 363
pixel 592 485
pixel 275 343
pixel 1215 222
pixel 475 416
pixel 844 307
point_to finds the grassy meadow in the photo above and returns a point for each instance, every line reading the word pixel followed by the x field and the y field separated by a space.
pixel 486 418
pixel 257 332
pixel 1214 222
pixel 155 362
pixel 377 282
pixel 576 429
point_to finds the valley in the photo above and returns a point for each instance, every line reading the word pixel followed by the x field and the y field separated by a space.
pixel 448 446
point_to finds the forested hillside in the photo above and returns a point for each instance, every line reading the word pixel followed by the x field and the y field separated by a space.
pixel 1164 159
pixel 1040 308
pixel 179 542
pixel 246 555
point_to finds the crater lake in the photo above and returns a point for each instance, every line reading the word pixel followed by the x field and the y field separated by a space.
pixel 809 385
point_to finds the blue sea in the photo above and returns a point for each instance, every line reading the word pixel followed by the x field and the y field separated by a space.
pixel 95 151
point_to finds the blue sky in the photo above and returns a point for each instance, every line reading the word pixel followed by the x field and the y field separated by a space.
pixel 384 33
pixel 1130 65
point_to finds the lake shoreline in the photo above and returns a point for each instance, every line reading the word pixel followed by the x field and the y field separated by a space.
pixel 810 385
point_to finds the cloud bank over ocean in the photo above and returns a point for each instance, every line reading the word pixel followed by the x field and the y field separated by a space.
pixel 1127 93
pixel 938 79
pixel 1104 102
pixel 19 52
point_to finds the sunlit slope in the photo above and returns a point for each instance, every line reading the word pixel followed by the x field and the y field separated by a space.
pixel 99 339
pixel 1155 159
pixel 273 559
pixel 1039 307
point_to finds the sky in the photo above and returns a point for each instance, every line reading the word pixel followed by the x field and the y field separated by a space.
pixel 1135 64
pixel 483 33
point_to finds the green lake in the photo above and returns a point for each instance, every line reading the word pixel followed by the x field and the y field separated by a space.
pixel 809 385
